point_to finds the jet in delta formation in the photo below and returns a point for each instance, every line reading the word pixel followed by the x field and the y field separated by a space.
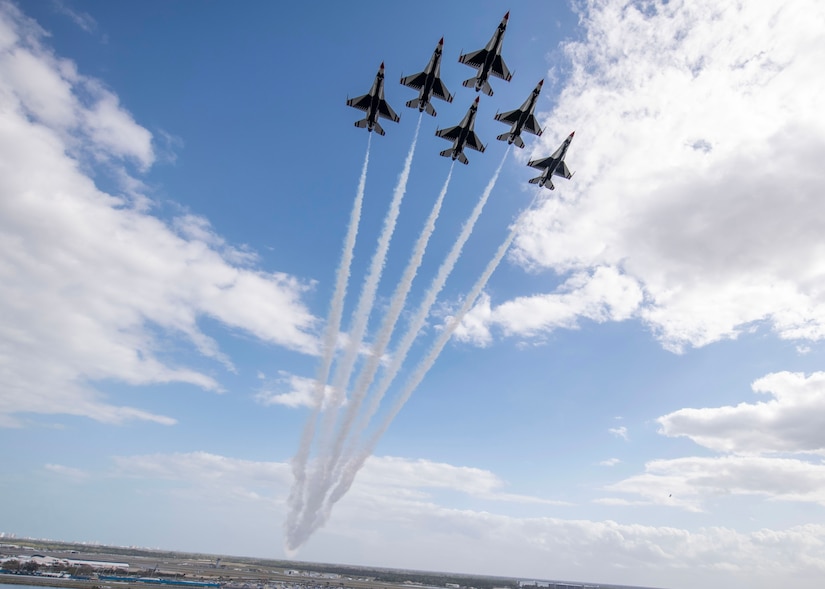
pixel 462 135
pixel 521 119
pixel 374 104
pixel 552 165
pixel 488 61
pixel 428 83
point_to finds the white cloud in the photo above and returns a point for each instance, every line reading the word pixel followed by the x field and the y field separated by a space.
pixel 90 284
pixel 391 515
pixel 698 144
pixel 390 471
pixel 690 482
pixel 619 432
pixel 300 393
pixel 610 462
pixel 82 19
pixel 68 472
pixel 791 421
pixel 603 295
pixel 382 477
pixel 199 467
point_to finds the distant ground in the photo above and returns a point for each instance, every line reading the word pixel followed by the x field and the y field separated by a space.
pixel 229 571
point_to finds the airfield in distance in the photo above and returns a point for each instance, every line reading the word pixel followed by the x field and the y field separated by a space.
pixel 146 568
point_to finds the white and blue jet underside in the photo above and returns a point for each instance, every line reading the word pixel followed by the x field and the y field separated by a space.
pixel 488 61
pixel 374 105
pixel 521 119
pixel 428 83
pixel 462 135
pixel 553 165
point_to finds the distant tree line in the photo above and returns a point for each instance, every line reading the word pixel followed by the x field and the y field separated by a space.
pixel 392 576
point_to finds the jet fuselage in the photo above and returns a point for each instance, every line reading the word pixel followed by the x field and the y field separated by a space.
pixel 556 165
pixel 493 49
pixel 525 114
pixel 376 94
pixel 433 71
pixel 466 128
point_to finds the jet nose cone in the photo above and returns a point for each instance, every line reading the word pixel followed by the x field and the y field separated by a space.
pixel 441 41
pixel 506 16
pixel 382 66
pixel 476 101
pixel 540 83
pixel 573 133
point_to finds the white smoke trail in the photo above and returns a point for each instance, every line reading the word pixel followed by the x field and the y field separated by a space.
pixel 343 369
pixel 400 354
pixel 310 517
pixel 382 340
pixel 348 476
pixel 333 326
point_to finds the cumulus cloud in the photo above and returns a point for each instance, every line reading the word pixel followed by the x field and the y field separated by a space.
pixel 390 471
pixel 754 440
pixel 392 480
pixel 90 283
pixel 67 472
pixel 619 432
pixel 300 391
pixel 791 421
pixel 603 295
pixel 391 505
pixel 200 467
pixel 698 140
pixel 690 482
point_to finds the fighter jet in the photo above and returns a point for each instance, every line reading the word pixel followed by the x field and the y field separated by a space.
pixel 428 83
pixel 522 119
pixel 488 61
pixel 374 105
pixel 552 165
pixel 462 135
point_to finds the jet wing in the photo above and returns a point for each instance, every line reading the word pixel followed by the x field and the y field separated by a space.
pixel 509 117
pixel 563 171
pixel 384 110
pixel 473 142
pixel 450 133
pixel 475 59
pixel 542 163
pixel 361 102
pixel 499 69
pixel 415 81
pixel 440 91
pixel 557 153
pixel 532 125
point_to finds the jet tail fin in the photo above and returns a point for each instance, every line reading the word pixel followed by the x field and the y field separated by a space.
pixel 447 152
pixel 364 124
pixel 463 158
pixel 485 87
pixel 430 110
pixel 547 183
pixel 470 82
pixel 413 103
pixel 509 137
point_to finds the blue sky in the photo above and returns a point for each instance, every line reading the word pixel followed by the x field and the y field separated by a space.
pixel 636 396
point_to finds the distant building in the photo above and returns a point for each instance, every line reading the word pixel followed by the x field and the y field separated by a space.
pixel 44 560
